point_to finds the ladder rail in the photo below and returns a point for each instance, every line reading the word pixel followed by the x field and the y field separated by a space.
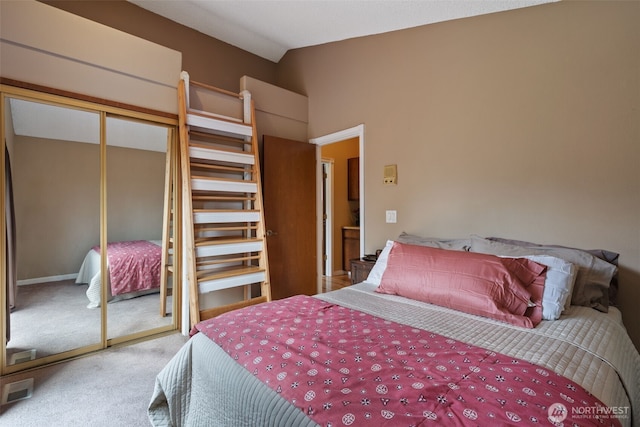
pixel 261 231
pixel 188 232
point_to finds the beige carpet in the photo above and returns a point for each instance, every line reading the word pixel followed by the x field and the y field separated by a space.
pixel 109 388
pixel 53 317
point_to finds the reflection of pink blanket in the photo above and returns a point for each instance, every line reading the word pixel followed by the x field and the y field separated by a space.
pixel 133 266
pixel 345 367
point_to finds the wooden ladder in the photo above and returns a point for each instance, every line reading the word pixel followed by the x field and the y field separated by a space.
pixel 223 233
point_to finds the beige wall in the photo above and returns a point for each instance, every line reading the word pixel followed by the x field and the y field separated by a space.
pixel 56 189
pixel 57 201
pixel 135 194
pixel 339 152
pixel 206 59
pixel 82 57
pixel 523 124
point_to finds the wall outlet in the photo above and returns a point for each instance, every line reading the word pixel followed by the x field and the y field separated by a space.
pixel 392 217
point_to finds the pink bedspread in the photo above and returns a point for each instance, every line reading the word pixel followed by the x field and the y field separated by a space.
pixel 133 266
pixel 344 367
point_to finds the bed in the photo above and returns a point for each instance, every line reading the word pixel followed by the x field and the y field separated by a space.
pixel 133 269
pixel 371 354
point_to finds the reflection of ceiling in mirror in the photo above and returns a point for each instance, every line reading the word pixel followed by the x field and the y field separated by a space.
pixel 38 120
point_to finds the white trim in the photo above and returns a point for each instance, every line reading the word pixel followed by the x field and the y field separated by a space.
pixel 36 280
pixel 328 264
pixel 213 123
pixel 231 282
pixel 224 156
pixel 354 132
pixel 228 248
pixel 211 184
pixel 225 216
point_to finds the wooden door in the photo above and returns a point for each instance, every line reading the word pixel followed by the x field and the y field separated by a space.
pixel 289 193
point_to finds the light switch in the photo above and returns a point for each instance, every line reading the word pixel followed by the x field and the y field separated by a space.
pixel 392 217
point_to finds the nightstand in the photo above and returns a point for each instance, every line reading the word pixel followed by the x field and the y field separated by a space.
pixel 360 270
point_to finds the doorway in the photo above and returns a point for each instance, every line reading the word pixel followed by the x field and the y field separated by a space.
pixel 333 273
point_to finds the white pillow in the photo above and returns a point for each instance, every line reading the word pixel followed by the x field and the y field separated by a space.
pixel 558 284
pixel 375 275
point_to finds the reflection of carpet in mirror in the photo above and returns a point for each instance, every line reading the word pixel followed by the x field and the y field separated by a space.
pixel 53 317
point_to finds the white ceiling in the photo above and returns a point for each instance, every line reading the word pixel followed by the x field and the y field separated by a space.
pixel 269 28
pixel 39 120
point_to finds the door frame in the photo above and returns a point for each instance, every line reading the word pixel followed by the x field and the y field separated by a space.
pixel 354 132
pixel 327 201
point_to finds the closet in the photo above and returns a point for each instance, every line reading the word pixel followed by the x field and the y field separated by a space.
pixel 80 175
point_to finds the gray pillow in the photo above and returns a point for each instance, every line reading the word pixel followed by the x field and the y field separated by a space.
pixel 592 281
pixel 605 255
pixel 433 242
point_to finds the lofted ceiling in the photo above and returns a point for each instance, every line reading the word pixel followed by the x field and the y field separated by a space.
pixel 269 28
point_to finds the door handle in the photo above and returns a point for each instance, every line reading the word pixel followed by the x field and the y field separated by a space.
pixel 271 233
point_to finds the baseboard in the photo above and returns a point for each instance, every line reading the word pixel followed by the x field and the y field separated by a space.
pixel 47 279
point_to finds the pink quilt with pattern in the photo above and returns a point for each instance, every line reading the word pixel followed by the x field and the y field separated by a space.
pixel 133 266
pixel 345 367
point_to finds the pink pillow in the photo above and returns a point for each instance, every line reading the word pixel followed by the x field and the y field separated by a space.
pixel 506 289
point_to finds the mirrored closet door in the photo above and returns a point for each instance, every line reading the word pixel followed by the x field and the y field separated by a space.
pixel 138 157
pixel 53 152
pixel 80 180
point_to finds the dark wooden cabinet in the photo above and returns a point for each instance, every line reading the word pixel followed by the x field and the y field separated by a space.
pixel 350 246
pixel 353 178
pixel 360 270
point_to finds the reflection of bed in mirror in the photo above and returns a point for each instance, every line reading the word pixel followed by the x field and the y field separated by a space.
pixel 133 270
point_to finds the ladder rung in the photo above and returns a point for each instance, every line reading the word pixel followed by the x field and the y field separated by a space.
pixel 230 156
pixel 241 169
pixel 222 272
pixel 210 115
pixel 240 227
pixel 200 183
pixel 200 120
pixel 208 197
pixel 217 249
pixel 215 89
pixel 218 240
pixel 216 261
pixel 218 139
pixel 231 279
pixel 213 216
pixel 213 147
